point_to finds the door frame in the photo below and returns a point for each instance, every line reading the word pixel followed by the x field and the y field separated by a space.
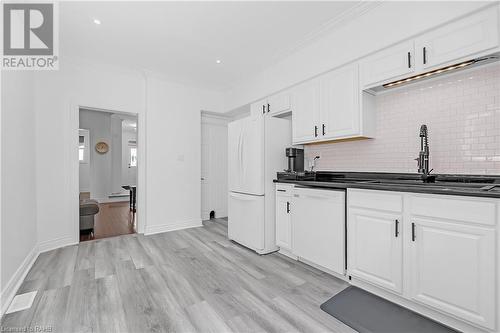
pixel 74 165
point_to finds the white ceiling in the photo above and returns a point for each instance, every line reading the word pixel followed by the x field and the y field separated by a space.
pixel 182 40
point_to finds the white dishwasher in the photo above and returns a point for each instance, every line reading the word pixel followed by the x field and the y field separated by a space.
pixel 318 220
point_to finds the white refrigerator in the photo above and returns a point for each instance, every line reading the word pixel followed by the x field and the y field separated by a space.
pixel 256 147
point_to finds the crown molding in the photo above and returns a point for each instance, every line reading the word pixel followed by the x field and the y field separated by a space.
pixel 327 27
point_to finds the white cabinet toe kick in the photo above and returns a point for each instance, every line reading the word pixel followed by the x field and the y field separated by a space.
pixel 435 254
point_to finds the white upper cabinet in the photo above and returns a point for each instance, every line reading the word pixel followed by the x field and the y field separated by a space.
pixel 339 104
pixel 258 108
pixel 273 105
pixel 279 103
pixel 305 113
pixel 464 39
pixel 389 64
pixel 332 107
pixel 458 40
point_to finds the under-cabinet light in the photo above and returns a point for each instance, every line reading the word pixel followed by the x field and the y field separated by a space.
pixel 431 73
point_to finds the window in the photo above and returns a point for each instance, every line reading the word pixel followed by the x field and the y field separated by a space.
pixel 133 156
pixel 83 146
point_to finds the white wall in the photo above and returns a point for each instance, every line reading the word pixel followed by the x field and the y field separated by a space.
pixel 380 27
pixel 57 97
pixel 18 185
pixel 170 118
pixel 173 153
pixel 100 173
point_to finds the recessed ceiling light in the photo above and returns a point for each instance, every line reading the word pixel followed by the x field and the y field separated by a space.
pixel 96 21
pixel 218 61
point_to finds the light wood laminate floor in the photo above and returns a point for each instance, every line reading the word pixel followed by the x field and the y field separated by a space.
pixel 193 280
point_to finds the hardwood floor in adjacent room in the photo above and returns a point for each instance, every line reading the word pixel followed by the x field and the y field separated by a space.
pixel 113 219
pixel 192 280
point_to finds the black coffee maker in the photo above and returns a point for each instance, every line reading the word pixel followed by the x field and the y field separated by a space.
pixel 295 159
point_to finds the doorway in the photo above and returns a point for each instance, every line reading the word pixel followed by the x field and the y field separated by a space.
pixel 107 154
pixel 213 166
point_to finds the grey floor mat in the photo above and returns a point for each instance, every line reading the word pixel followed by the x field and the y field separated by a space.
pixel 367 313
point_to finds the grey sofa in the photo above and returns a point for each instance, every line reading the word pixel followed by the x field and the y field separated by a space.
pixel 88 209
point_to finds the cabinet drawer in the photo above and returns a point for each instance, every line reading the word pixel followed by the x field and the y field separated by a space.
pixel 284 189
pixel 460 209
pixel 378 200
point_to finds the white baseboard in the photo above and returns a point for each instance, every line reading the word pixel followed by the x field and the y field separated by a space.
pixel 55 244
pixel 16 280
pixel 155 229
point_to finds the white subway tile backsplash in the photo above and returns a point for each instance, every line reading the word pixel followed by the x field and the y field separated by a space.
pixel 462 112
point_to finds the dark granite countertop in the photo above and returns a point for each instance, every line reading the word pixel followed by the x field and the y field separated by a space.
pixel 465 185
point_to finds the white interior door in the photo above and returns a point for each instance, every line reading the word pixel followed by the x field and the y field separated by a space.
pixel 131 165
pixel 213 167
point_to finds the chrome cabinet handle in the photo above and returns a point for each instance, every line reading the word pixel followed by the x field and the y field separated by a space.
pixel 413 232
pixel 396 232
pixel 424 51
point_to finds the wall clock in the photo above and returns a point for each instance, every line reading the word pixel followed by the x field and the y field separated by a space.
pixel 101 147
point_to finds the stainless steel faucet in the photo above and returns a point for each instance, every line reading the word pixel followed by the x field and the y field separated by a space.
pixel 423 156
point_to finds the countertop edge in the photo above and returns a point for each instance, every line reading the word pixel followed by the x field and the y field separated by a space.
pixel 391 187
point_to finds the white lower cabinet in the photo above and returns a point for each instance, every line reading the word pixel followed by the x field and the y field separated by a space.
pixel 283 217
pixel 442 257
pixel 318 221
pixel 453 268
pixel 373 234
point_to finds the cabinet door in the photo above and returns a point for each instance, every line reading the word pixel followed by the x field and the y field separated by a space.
pixel 459 39
pixel 258 108
pixel 305 112
pixel 339 103
pixel 453 269
pixel 283 222
pixel 387 65
pixel 279 103
pixel 375 253
pixel 318 227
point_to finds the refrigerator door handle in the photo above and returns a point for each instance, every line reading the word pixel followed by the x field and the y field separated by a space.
pixel 240 157
pixel 242 164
